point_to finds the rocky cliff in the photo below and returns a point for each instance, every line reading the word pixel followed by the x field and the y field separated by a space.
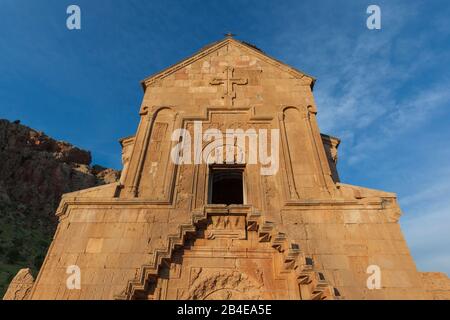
pixel 35 170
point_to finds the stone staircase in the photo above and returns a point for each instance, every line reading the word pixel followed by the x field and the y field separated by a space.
pixel 312 284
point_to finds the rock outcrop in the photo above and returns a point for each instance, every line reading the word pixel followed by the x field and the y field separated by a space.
pixel 35 170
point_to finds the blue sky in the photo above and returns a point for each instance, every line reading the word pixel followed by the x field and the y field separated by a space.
pixel 385 93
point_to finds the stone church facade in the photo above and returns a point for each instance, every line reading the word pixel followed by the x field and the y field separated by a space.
pixel 221 230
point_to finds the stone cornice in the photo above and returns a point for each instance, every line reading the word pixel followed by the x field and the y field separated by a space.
pixel 109 202
pixel 332 141
pixel 320 204
pixel 127 140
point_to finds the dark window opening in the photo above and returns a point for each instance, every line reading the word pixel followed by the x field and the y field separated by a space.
pixel 226 187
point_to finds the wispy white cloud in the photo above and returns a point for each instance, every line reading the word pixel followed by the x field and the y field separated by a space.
pixel 375 89
pixel 402 118
pixel 427 235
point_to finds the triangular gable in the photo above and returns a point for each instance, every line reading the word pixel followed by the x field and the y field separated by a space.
pixel 207 50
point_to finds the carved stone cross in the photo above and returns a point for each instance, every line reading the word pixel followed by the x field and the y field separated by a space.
pixel 229 82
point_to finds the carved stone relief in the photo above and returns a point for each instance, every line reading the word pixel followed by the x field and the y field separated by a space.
pixel 223 226
pixel 224 285
pixel 20 286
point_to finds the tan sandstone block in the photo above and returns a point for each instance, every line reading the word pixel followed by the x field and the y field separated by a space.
pixel 94 245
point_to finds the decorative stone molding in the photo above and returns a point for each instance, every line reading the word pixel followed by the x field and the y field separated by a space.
pixel 391 209
pixel 291 256
pixel 21 285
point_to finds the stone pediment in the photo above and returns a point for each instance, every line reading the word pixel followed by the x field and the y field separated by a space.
pixel 240 45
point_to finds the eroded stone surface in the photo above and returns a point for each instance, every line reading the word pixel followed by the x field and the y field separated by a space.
pixel 437 284
pixel 20 286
